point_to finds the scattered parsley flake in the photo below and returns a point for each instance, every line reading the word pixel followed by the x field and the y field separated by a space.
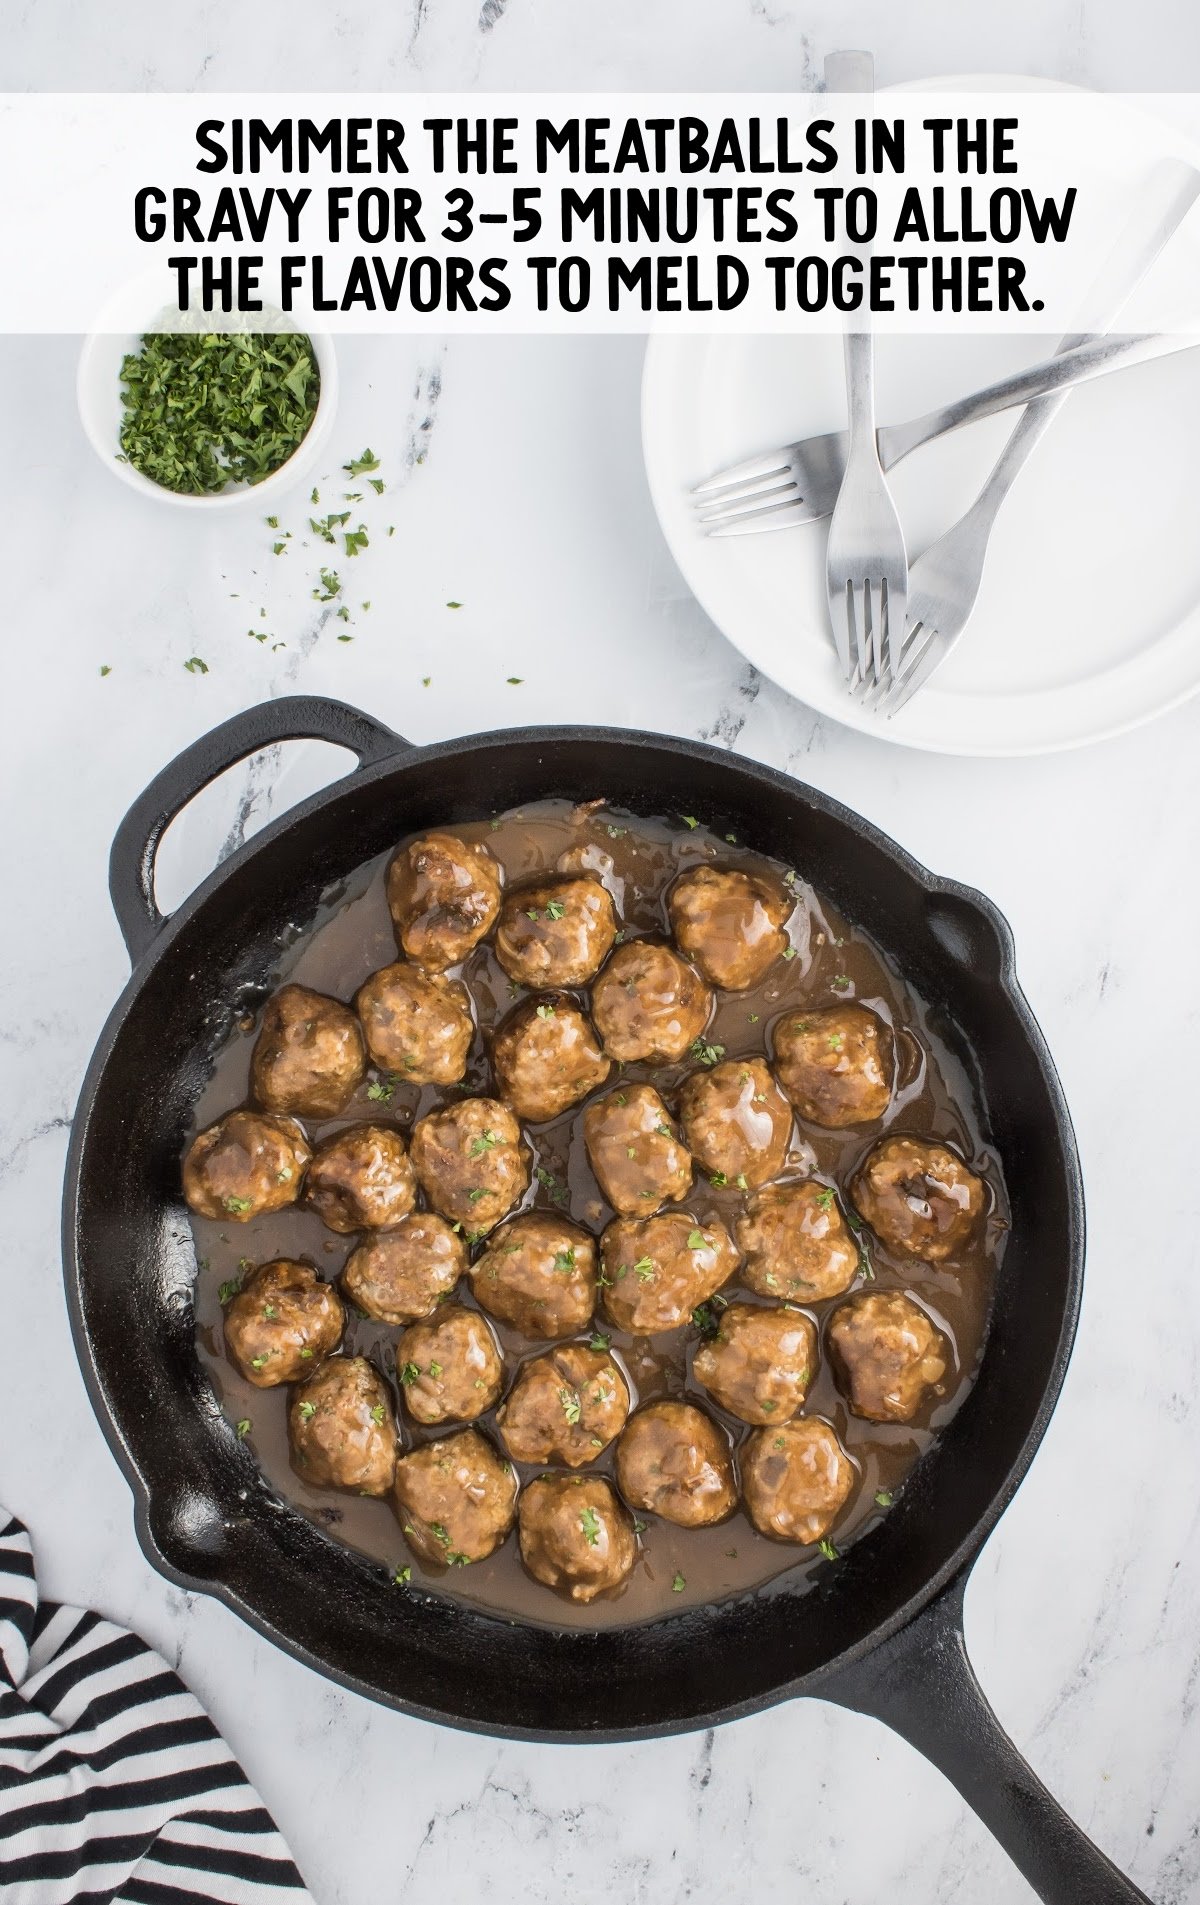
pixel 678 1583
pixel 689 820
pixel 828 1550
pixel 359 465
pixel 244 1427
pixel 195 666
pixel 590 1524
pixel 884 1498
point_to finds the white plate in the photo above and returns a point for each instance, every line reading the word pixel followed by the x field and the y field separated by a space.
pixel 1088 621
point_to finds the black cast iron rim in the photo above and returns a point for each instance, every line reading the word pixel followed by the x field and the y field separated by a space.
pixel 771 782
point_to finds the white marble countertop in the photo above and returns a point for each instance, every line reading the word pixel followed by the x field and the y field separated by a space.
pixel 1083 1617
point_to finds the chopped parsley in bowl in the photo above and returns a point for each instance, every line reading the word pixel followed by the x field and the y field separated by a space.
pixel 204 418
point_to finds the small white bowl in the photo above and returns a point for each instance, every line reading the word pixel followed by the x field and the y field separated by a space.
pixel 101 411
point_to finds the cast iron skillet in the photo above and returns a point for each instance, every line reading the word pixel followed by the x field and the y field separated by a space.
pixel 882 1632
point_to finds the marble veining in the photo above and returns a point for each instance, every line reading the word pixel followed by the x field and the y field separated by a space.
pixel 515 490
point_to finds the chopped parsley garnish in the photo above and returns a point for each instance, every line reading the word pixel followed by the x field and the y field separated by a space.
pixel 678 1583
pixel 409 1374
pixel 435 1370
pixel 664 1131
pixel 835 1041
pixel 307 1411
pixel 828 1550
pixel 697 1240
pixel 827 1198
pixel 590 1523
pixel 598 1340
pixel 740 1181
pixel 718 1180
pixel 201 410
pixel 545 1011
pixel 555 909
pixel 571 1405
pixel 381 1091
pixel 884 1498
pixel 377 1413
pixel 259 1362
pixel 789 952
pixel 195 666
pixel 565 1260
pixel 229 1290
pixel 236 1205
pixel 244 1427
pixel 402 1577
pixel 644 1269
pixel 841 983
pixel 485 1142
pixel 707 1053
pixel 475 1195
pixel 689 821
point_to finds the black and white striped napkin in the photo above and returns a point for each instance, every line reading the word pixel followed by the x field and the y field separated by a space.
pixel 115 1787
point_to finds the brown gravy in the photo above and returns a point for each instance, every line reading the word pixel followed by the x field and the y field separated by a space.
pixel 353 937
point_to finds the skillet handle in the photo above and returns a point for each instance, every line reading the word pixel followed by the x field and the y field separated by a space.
pixel 922 1685
pixel 291 718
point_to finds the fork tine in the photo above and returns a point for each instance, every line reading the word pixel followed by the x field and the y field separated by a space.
pixel 841 615
pixel 773 463
pixel 752 486
pixel 782 515
pixel 787 491
pixel 925 651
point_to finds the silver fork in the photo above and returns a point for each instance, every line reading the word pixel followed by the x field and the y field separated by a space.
pixel 799 483
pixel 866 565
pixel 946 578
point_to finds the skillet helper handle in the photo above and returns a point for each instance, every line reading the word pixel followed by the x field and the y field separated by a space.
pixel 922 1685
pixel 291 718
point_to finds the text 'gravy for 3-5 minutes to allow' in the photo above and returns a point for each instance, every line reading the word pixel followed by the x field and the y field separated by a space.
pixel 829 962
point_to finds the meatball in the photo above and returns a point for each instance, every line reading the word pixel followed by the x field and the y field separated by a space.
pixel 657 1269
pixel 558 933
pixel 547 1058
pixel 638 1160
pixel 456 1499
pixel 538 1273
pixel 282 1320
pixel 795 1479
pixel 400 1275
pixel 760 1363
pixel 246 1164
pixel 919 1198
pixel 361 1179
pixel 730 923
pixel 444 895
pixel 416 1023
pixel 886 1354
pixel 575 1535
pixel 565 1406
pixel 341 1427
pixel 796 1243
pixel 470 1161
pixel 737 1122
pixel 835 1063
pixel 675 1461
pixel 648 1003
pixel 450 1367
pixel 308 1057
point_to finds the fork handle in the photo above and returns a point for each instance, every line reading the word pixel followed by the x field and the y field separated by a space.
pixel 898 440
pixel 860 393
